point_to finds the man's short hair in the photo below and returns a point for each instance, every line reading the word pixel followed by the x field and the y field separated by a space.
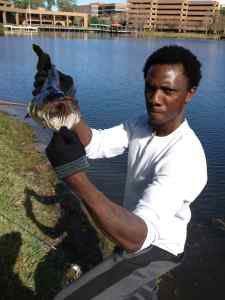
pixel 174 54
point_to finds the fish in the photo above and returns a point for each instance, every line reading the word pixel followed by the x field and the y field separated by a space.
pixel 54 104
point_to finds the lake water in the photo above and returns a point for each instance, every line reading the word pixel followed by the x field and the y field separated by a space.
pixel 108 73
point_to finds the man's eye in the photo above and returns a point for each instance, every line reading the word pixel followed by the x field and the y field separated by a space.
pixel 168 91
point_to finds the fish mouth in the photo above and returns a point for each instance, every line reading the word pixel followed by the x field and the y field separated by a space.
pixel 55 113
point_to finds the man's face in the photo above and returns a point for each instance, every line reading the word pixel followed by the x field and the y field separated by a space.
pixel 166 94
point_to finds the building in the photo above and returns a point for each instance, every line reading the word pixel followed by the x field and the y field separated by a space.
pixel 5 3
pixel 172 15
pixel 103 9
pixel 10 15
pixel 109 13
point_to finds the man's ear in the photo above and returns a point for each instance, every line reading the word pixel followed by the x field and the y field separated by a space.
pixel 190 94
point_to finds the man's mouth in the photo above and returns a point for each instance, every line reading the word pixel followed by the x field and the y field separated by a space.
pixel 155 109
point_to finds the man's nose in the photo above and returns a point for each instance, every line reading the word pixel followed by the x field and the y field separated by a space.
pixel 155 97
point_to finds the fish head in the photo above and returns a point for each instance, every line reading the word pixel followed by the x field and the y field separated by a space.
pixel 54 103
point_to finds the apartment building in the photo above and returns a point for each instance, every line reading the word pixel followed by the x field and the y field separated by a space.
pixel 172 15
pixel 103 9
pixel 110 13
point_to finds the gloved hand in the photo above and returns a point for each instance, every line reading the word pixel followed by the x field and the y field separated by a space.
pixel 43 66
pixel 66 153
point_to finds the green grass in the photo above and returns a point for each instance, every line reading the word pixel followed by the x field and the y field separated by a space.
pixel 35 254
pixel 17 177
pixel 179 35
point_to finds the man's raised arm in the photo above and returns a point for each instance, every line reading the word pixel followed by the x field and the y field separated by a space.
pixel 67 156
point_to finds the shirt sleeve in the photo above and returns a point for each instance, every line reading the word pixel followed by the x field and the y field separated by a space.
pixel 178 180
pixel 110 142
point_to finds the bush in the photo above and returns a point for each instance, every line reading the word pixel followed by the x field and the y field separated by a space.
pixel 1 29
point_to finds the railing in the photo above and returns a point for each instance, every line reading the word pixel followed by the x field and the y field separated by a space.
pixel 11 27
pixel 92 27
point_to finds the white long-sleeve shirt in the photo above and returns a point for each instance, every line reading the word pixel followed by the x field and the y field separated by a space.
pixel 164 175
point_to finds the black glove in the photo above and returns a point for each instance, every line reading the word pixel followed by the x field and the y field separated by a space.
pixel 43 66
pixel 66 153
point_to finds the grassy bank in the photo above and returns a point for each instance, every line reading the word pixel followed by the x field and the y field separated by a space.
pixel 41 235
pixel 179 35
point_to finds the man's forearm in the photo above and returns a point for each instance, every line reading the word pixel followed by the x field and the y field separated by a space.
pixel 83 131
pixel 127 229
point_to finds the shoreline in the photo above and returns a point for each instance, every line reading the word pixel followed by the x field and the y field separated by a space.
pixel 11 103
pixel 192 35
pixel 132 35
pixel 39 219
pixel 19 110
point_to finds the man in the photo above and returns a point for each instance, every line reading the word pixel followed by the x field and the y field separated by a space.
pixel 165 174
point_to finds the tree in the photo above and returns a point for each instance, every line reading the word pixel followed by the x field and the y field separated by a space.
pixel 222 10
pixel 63 5
pixel 26 3
pixel 66 5
pixel 50 4
pixel 218 24
pixel 94 20
pixel 1 29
